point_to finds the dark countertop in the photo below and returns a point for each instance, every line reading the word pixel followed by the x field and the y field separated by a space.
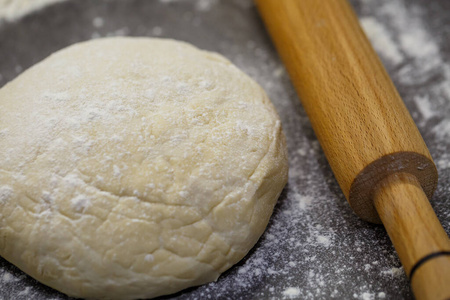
pixel 314 246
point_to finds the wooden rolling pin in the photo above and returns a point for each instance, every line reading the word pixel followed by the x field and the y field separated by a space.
pixel 369 138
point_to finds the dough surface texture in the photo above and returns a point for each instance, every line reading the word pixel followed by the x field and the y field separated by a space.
pixel 135 167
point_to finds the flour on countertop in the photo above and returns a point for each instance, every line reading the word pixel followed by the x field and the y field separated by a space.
pixel 304 201
pixel 398 33
pixel 7 277
pixel 12 10
pixel 291 292
pixel 411 52
pixel 200 5
pixel 98 22
pixel 395 272
pixel 381 39
pixel 324 241
pixel 367 296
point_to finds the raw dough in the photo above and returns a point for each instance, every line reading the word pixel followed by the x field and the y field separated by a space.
pixel 135 167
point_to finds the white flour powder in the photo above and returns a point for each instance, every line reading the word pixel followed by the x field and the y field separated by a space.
pixel 12 10
pixel 410 50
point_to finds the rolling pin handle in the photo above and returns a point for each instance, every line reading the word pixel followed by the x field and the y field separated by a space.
pixel 421 243
pixel 365 130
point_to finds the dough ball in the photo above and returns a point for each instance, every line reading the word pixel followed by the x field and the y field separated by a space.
pixel 135 167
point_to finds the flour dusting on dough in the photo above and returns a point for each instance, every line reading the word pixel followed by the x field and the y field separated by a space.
pixel 5 193
pixel 129 140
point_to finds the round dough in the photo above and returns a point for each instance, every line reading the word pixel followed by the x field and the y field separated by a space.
pixel 135 167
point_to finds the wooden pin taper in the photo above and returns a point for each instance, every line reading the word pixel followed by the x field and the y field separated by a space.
pixel 369 138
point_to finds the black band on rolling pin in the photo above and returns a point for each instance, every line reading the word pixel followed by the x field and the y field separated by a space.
pixel 425 259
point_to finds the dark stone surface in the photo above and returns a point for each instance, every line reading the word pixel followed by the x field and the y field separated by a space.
pixel 314 243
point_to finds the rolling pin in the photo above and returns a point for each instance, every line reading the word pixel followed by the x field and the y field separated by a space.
pixel 370 140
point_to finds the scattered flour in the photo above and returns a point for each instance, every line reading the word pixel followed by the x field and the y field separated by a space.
pixel 304 201
pixel 291 292
pixel 98 22
pixel 442 130
pixel 12 10
pixel 7 277
pixel 205 5
pixel 398 33
pixel 424 106
pixel 395 272
pixel 417 43
pixel 81 203
pixel 149 258
pixel 367 296
pixel 116 171
pixel 323 240
pixel 6 193
pixel 200 5
pixel 157 31
pixel 25 291
pixel 381 39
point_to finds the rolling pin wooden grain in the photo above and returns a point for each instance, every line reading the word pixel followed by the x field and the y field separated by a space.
pixel 369 138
